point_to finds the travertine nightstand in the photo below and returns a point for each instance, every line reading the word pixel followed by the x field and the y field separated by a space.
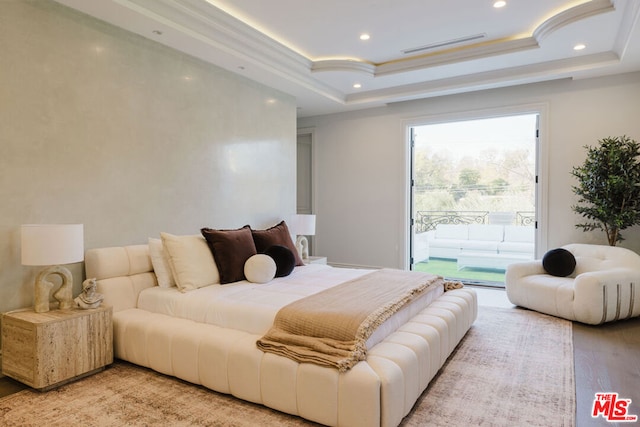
pixel 45 350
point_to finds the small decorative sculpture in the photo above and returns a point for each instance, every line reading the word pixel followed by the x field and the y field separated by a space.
pixel 89 298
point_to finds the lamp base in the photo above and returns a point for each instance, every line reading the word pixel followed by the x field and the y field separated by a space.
pixel 43 289
pixel 302 245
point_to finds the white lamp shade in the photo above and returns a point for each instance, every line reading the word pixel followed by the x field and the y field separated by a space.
pixel 303 225
pixel 52 244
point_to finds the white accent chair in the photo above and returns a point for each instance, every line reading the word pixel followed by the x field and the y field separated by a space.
pixel 604 287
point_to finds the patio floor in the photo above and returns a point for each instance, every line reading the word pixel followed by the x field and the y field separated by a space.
pixel 449 269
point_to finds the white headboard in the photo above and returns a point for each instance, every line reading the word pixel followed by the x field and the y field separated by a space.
pixel 121 273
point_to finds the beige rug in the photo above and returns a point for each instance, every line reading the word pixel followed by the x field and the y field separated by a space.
pixel 513 368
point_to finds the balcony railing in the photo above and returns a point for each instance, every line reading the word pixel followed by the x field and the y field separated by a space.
pixel 428 220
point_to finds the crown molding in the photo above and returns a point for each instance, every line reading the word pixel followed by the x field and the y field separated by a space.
pixel 552 70
pixel 203 22
pixel 471 52
pixel 571 15
pixel 349 65
pixel 420 62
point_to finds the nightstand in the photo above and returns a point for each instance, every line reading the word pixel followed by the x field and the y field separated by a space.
pixel 45 350
pixel 315 260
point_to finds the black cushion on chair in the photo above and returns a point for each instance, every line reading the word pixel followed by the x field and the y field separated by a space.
pixel 284 258
pixel 559 262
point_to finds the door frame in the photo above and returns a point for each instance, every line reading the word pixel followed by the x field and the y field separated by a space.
pixel 542 166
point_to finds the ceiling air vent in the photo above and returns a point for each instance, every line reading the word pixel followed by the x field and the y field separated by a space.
pixel 445 43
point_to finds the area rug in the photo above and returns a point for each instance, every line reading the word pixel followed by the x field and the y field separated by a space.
pixel 513 368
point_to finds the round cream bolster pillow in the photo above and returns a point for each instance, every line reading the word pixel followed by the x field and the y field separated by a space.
pixel 260 268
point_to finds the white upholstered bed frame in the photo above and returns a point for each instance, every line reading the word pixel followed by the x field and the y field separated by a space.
pixel 377 392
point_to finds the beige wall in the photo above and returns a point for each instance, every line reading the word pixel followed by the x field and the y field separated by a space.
pixel 361 162
pixel 102 127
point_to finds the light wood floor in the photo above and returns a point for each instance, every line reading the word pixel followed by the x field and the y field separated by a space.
pixel 607 359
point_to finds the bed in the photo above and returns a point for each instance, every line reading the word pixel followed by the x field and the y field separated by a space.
pixel 208 336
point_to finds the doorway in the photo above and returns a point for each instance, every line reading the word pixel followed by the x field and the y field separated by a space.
pixel 304 176
pixel 304 173
pixel 473 196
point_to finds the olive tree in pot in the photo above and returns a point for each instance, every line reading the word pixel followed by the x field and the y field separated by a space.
pixel 608 187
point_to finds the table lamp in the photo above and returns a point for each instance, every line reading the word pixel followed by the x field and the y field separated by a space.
pixel 52 245
pixel 303 225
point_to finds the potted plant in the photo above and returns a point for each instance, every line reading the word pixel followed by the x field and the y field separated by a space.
pixel 608 187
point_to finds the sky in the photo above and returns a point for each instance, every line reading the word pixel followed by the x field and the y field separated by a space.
pixel 460 138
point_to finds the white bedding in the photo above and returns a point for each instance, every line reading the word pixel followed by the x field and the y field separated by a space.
pixel 251 307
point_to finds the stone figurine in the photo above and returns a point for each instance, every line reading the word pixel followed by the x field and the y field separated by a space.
pixel 89 298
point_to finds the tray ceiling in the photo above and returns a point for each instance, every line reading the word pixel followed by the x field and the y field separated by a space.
pixel 416 48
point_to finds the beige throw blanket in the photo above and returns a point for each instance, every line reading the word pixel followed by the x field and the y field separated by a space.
pixel 331 327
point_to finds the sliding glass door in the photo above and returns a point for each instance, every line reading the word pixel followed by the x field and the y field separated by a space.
pixel 473 196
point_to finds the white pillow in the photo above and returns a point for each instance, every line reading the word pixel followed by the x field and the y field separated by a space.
pixel 191 261
pixel 160 262
pixel 260 268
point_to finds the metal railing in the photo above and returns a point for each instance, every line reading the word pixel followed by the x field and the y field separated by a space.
pixel 428 220
pixel 525 218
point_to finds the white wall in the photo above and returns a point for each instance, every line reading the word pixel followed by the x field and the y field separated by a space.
pixel 361 194
pixel 102 127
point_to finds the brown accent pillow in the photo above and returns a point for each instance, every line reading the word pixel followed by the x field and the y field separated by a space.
pixel 276 235
pixel 230 249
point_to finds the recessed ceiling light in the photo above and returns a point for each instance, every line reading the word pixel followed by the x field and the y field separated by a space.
pixel 357 85
pixel 579 46
pixel 499 4
pixel 364 36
